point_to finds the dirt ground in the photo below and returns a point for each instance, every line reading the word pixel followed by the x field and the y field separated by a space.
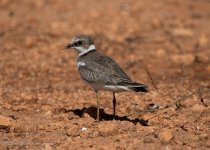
pixel 45 105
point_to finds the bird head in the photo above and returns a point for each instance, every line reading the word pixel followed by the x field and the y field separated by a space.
pixel 81 43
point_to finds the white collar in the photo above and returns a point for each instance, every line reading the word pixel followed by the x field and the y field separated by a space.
pixel 90 48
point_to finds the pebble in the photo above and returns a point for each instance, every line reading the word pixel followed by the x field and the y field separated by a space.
pixel 48 113
pixel 152 107
pixel 149 139
pixel 105 130
pixel 203 57
pixel 73 131
pixel 146 116
pixel 208 68
pixel 84 129
pixel 6 121
pixel 182 32
pixel 160 53
pixel 202 42
pixel 185 59
pixel 203 136
pixel 30 42
pixel 166 135
pixel 47 146
pixel 4 2
pixel 198 108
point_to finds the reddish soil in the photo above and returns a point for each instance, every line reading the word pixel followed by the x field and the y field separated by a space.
pixel 45 105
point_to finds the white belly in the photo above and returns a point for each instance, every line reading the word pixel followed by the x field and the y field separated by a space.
pixel 112 88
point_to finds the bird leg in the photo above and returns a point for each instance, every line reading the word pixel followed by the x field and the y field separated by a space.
pixel 97 118
pixel 114 105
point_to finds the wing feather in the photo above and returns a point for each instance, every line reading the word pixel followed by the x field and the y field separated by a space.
pixel 103 70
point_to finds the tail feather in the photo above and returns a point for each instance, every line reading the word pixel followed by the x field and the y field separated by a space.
pixel 138 87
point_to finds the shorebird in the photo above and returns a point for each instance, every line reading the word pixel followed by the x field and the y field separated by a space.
pixel 100 71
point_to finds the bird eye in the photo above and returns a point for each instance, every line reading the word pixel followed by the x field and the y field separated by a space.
pixel 79 42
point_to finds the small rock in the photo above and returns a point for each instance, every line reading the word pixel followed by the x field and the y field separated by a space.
pixel 153 94
pixel 54 25
pixel 156 23
pixel 46 108
pixel 105 130
pixel 48 113
pixel 84 129
pixel 6 121
pixel 146 116
pixel 189 102
pixel 166 135
pixel 187 127
pixel 188 148
pixel 202 41
pixel 20 108
pixel 41 126
pixel 149 129
pixel 182 32
pixel 185 59
pixel 47 146
pixel 208 68
pixel 168 147
pixel 30 42
pixel 152 107
pixel 149 138
pixel 178 142
pixel 161 53
pixel 4 2
pixel 73 131
pixel 198 108
pixel 51 126
pixel 203 136
pixel 202 57
pixel 94 134
pixel 86 115
pixel 38 3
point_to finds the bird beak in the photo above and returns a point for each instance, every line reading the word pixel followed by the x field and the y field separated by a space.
pixel 69 46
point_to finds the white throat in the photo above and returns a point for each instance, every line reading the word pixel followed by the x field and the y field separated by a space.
pixel 83 51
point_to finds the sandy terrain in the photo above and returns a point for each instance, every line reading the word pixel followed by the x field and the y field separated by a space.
pixel 45 105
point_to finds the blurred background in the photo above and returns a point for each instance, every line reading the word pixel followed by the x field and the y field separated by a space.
pixel 164 44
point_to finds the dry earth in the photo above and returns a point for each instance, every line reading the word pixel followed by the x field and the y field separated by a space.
pixel 45 105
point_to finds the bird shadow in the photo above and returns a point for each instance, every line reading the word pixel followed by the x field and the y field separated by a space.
pixel 91 111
